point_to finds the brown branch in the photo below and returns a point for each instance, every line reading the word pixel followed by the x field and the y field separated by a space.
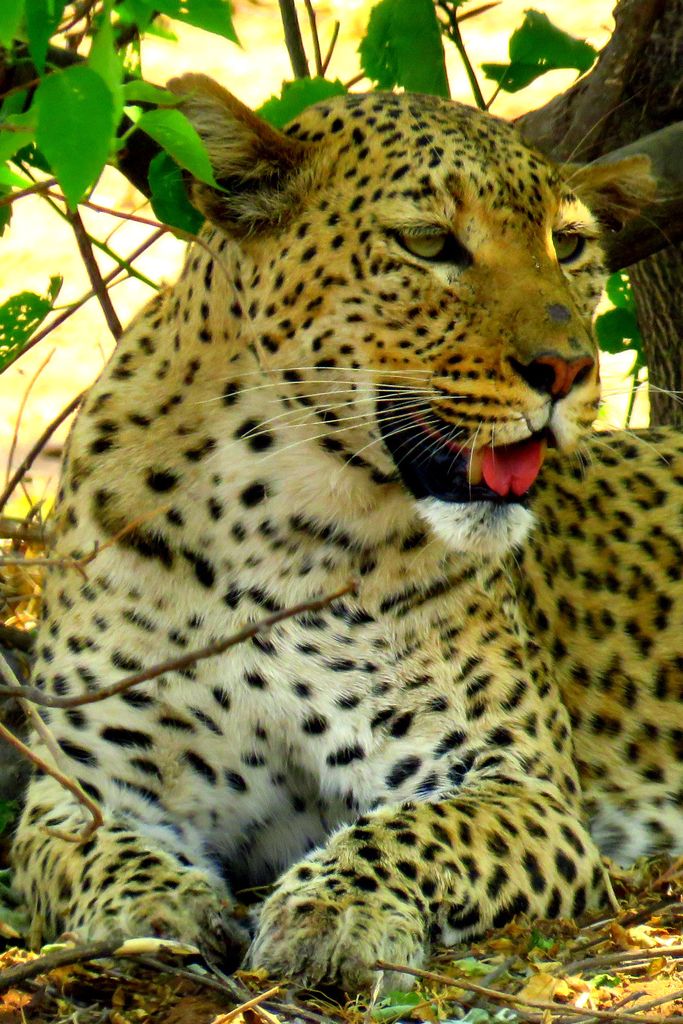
pixel 75 306
pixel 96 280
pixel 174 664
pixel 319 70
pixel 23 531
pixel 36 449
pixel 293 41
pixel 523 1001
pixel 70 784
pixel 330 49
pixel 626 957
pixel 40 186
pixel 115 946
pixel 20 414
pixel 225 1018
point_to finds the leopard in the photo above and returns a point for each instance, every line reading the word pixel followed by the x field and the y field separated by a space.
pixel 357 433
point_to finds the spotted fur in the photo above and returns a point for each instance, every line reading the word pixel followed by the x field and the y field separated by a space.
pixel 426 757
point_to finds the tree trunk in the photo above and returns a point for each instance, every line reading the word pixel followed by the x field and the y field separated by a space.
pixel 657 285
pixel 636 88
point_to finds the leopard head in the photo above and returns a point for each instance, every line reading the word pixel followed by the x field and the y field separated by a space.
pixel 423 282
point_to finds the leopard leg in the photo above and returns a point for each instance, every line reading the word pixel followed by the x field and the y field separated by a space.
pixel 452 868
pixel 123 879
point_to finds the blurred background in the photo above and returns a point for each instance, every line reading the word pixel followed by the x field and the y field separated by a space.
pixel 40 244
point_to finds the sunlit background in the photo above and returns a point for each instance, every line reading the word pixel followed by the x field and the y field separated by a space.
pixel 40 244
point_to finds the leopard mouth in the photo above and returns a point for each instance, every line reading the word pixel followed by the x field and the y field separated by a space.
pixel 433 465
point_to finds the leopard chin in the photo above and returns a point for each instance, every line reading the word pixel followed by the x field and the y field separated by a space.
pixel 486 528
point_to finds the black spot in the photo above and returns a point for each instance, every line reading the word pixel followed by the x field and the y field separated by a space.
pixel 161 480
pixel 126 737
pixel 254 494
pixel 403 770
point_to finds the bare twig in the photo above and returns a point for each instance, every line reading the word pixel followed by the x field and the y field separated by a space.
pixel 453 33
pixel 36 449
pixel 23 531
pixel 94 273
pixel 625 957
pixel 124 264
pixel 64 780
pixel 225 1018
pixel 315 37
pixel 39 186
pixel 175 664
pixel 478 10
pixel 523 1001
pixel 293 40
pixel 115 946
pixel 20 414
pixel 330 49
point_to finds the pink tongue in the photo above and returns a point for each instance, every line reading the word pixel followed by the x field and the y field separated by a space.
pixel 513 467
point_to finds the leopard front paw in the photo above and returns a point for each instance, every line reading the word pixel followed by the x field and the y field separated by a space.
pixel 194 911
pixel 324 931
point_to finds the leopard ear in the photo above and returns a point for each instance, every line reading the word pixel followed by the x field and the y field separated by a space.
pixel 616 192
pixel 261 173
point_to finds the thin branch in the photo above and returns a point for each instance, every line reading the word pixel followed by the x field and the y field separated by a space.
pixel 453 33
pixel 225 1018
pixel 315 37
pixel 64 780
pixel 36 449
pixel 175 664
pixel 330 49
pixel 40 186
pixel 25 532
pixel 293 40
pixel 95 274
pixel 520 1000
pixel 20 414
pixel 124 264
pixel 143 947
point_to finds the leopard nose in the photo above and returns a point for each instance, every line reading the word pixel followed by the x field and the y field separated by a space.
pixel 552 374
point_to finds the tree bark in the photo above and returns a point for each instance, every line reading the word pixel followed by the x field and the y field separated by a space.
pixel 636 88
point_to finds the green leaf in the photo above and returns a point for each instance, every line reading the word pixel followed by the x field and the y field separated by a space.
pixel 212 15
pixel 619 291
pixel 10 16
pixel 169 198
pixel 42 18
pixel 177 136
pixel 605 981
pixel 616 330
pixel 105 60
pixel 5 211
pixel 295 97
pixel 396 1004
pixel 538 46
pixel 20 317
pixel 11 178
pixel 76 126
pixel 12 142
pixel 540 941
pixel 403 46
pixel 144 92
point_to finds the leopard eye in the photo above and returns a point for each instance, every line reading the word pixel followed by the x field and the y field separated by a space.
pixel 568 245
pixel 437 247
pixel 427 247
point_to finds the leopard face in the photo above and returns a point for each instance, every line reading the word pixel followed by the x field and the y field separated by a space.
pixel 426 279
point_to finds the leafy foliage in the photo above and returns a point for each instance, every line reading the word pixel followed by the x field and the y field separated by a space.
pixel 402 46
pixel 296 96
pixel 20 316
pixel 169 197
pixel 536 47
pixel 617 329
pixel 73 105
